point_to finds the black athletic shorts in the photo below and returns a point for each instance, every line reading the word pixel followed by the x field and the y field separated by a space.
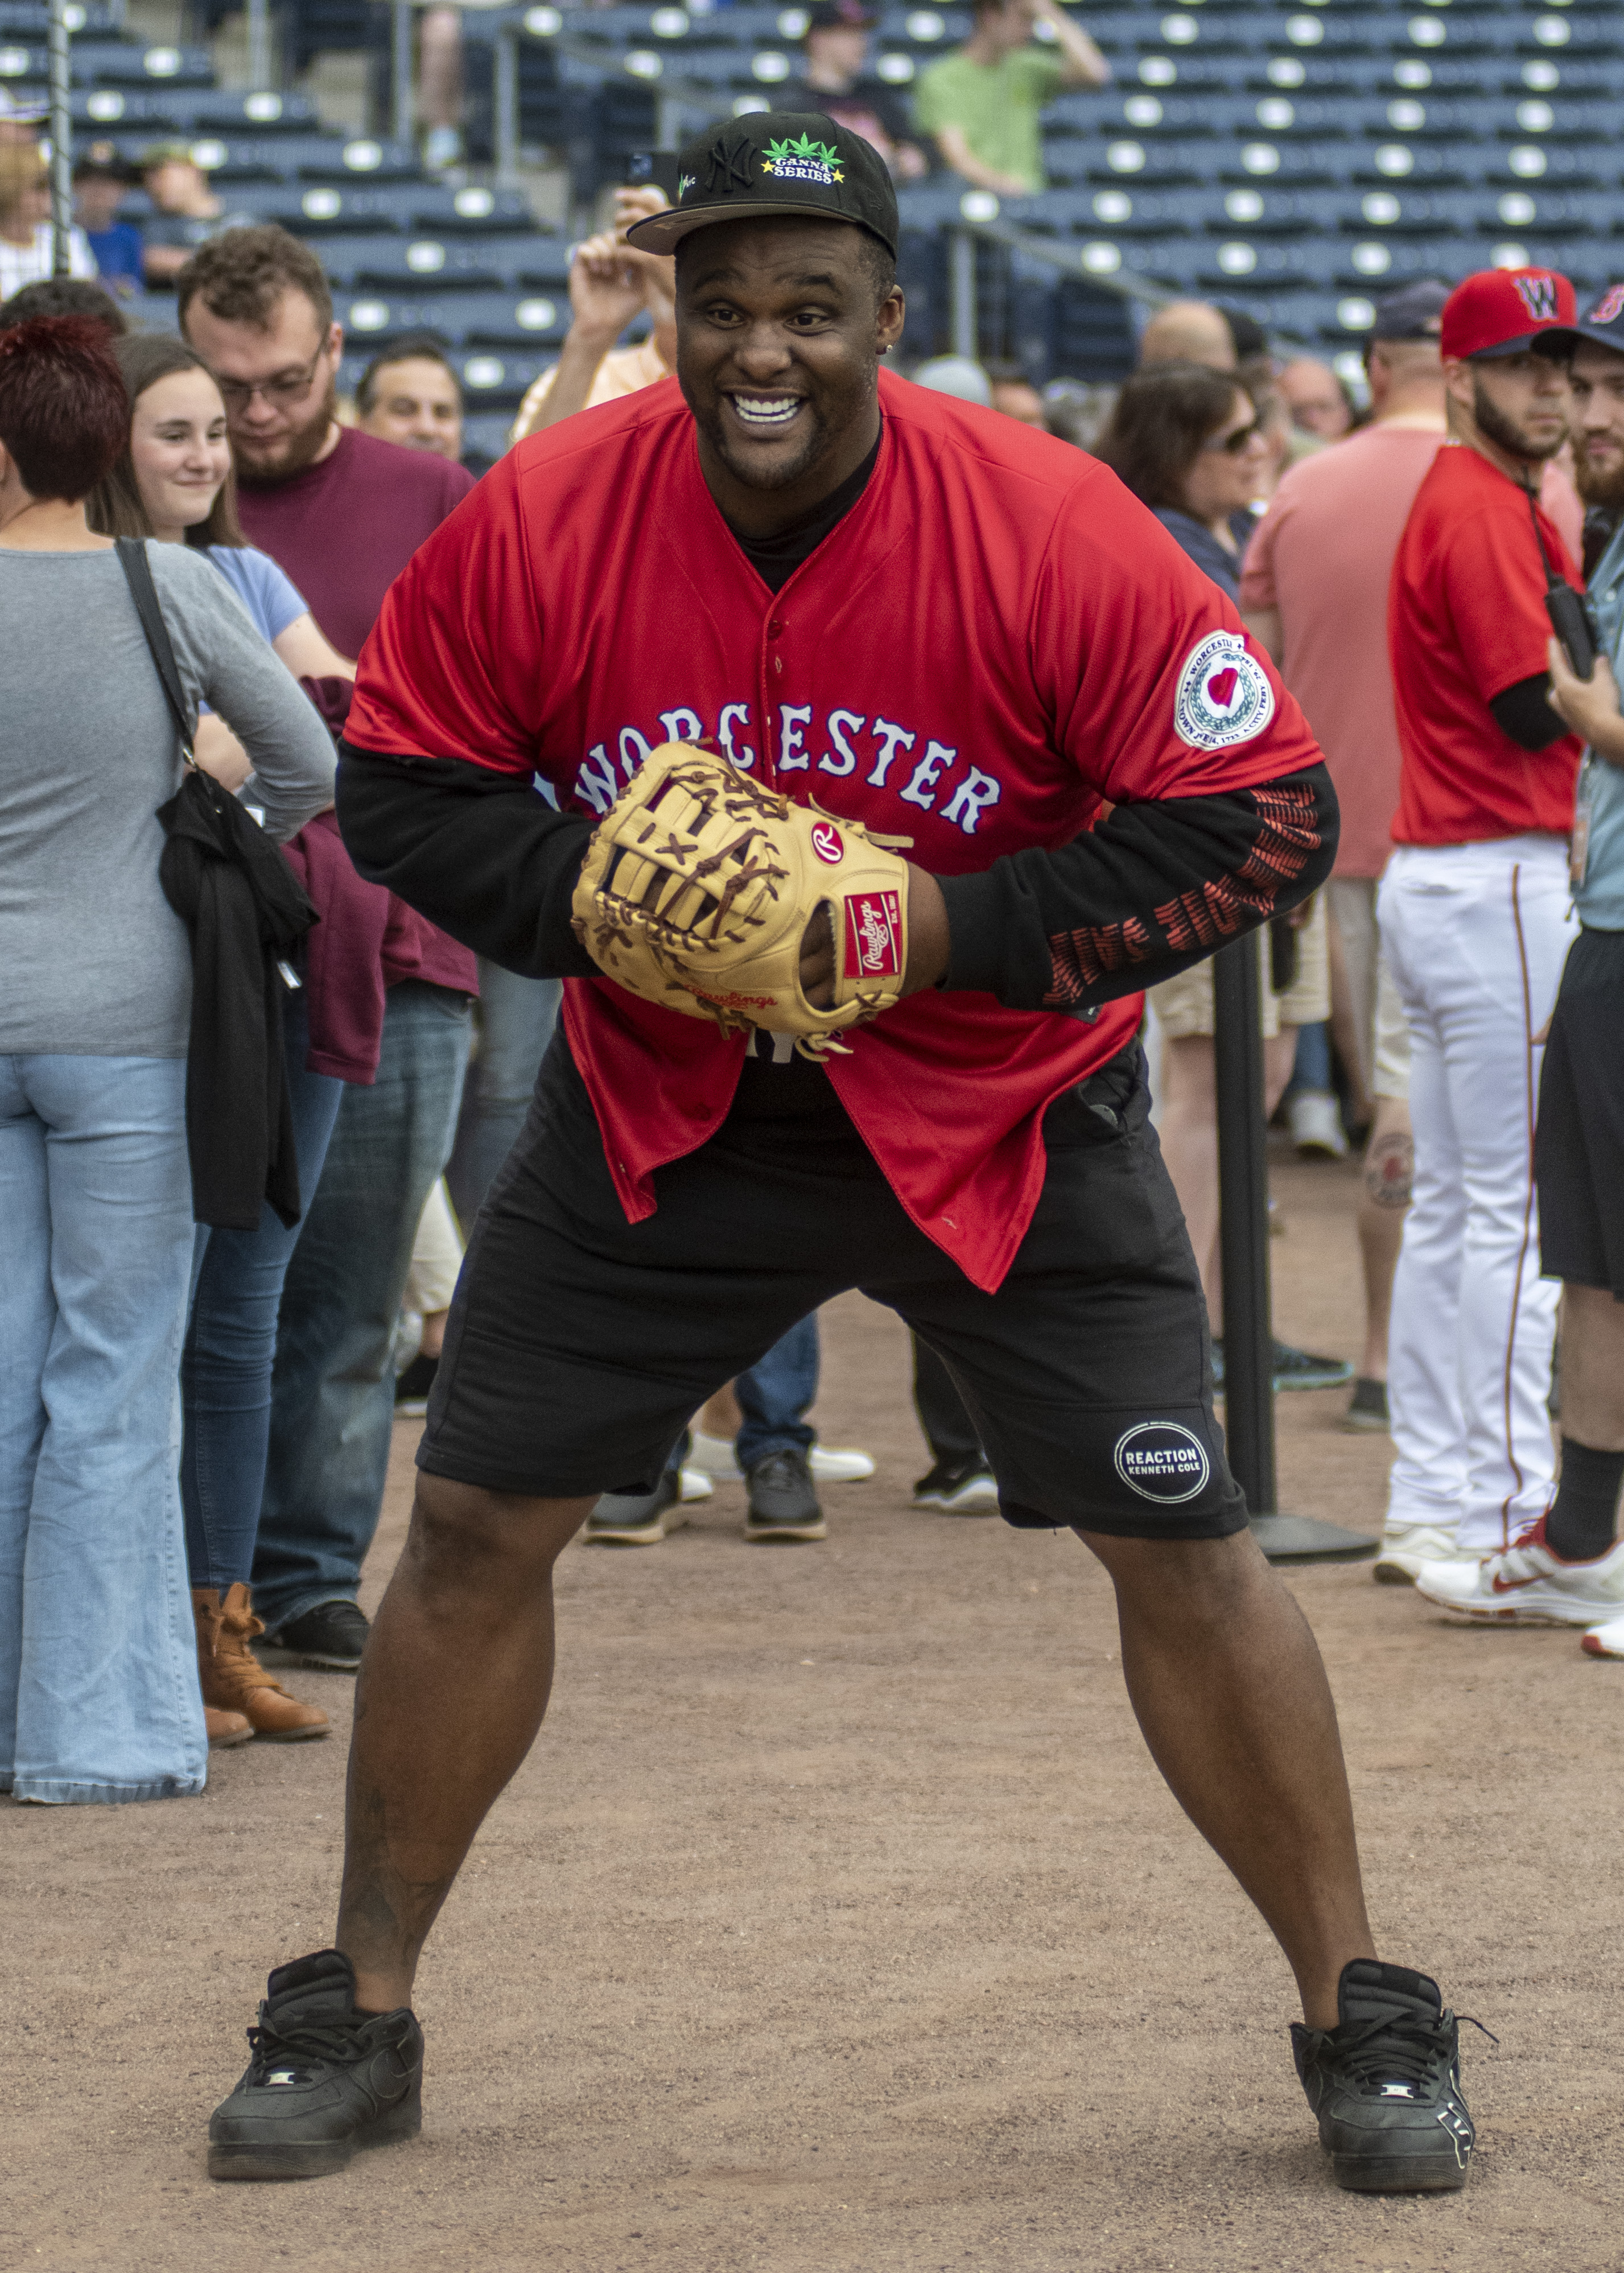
pixel 579 1345
pixel 1579 1142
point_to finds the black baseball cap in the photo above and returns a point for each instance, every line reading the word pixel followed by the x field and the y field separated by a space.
pixel 1413 312
pixel 771 162
pixel 1604 321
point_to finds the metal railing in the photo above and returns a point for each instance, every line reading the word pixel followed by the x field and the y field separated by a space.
pixel 61 139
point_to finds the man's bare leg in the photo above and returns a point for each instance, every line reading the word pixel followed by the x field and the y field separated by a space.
pixel 1389 1174
pixel 1227 1684
pixel 431 1750
pixel 1591 1367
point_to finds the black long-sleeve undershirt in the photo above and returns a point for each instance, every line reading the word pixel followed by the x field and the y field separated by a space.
pixel 1523 713
pixel 1153 889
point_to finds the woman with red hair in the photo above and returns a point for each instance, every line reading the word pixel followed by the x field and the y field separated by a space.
pixel 98 1696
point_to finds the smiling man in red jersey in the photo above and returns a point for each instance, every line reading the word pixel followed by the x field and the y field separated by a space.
pixel 966 635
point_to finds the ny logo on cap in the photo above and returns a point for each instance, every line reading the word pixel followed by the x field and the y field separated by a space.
pixel 1610 306
pixel 1537 295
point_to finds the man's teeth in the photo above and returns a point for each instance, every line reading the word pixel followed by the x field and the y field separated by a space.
pixel 755 412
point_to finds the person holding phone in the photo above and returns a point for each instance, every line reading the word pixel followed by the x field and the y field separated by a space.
pixel 1475 915
pixel 611 282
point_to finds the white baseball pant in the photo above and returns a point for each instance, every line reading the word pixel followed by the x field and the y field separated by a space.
pixel 1477 936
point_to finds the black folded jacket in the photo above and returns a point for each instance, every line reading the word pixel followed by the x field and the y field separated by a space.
pixel 244 908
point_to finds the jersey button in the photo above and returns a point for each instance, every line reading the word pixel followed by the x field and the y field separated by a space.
pixel 774 628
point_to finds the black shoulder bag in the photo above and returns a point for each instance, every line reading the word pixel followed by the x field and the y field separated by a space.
pixel 1569 613
pixel 244 908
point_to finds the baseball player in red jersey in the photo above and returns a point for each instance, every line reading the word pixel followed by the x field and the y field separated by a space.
pixel 1475 917
pixel 956 630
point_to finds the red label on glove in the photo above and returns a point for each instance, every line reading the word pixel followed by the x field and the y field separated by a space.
pixel 826 843
pixel 873 935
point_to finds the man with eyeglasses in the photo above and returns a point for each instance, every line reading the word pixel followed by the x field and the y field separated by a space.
pixel 342 513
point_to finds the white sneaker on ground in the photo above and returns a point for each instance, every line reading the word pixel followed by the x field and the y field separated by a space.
pixel 838 1464
pixel 1316 1123
pixel 1406 1546
pixel 1605 1641
pixel 694 1483
pixel 715 1456
pixel 830 1464
pixel 1529 1585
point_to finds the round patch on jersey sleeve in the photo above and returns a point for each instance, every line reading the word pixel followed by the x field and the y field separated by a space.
pixel 1162 1461
pixel 1224 695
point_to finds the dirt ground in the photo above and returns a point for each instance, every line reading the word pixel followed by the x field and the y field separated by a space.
pixel 839 1922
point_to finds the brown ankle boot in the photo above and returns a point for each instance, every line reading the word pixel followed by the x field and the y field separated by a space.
pixel 226 1728
pixel 233 1680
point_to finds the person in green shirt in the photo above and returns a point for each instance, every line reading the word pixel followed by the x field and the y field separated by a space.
pixel 982 104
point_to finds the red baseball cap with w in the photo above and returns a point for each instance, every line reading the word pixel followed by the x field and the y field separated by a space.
pixel 1500 311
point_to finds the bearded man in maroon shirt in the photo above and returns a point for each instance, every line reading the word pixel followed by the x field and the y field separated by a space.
pixel 342 513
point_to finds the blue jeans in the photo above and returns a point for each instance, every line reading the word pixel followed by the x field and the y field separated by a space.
pixel 333 1386
pixel 517 1018
pixel 774 1394
pixel 225 1373
pixel 99 1697
pixel 1310 1069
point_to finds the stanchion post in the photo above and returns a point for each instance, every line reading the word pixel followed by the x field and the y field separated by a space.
pixel 61 139
pixel 1242 1185
pixel 1243 1235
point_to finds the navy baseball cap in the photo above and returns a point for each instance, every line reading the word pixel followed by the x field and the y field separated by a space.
pixel 840 16
pixel 1413 312
pixel 1604 322
pixel 769 163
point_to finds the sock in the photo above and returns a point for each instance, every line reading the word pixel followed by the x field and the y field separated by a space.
pixel 1580 1525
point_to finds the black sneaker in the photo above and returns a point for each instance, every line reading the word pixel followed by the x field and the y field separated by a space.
pixel 1292 1368
pixel 1386 2084
pixel 1296 1368
pixel 412 1387
pixel 333 1636
pixel 959 1488
pixel 324 2079
pixel 638 1518
pixel 784 1499
pixel 1367 1407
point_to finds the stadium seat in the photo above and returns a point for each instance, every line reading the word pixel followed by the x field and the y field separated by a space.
pixel 430 263
pixel 464 318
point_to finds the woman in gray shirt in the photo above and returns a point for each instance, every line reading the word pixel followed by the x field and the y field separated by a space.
pixel 99 1697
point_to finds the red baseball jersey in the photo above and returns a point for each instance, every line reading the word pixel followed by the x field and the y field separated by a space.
pixel 994 640
pixel 1466 619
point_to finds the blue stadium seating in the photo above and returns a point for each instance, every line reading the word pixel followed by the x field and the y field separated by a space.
pixel 1293 157
pixel 522 320
pixel 428 263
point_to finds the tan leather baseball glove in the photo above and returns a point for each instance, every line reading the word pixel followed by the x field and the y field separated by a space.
pixel 699 884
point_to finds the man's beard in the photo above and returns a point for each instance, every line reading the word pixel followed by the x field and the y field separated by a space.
pixel 1596 487
pixel 300 447
pixel 1495 427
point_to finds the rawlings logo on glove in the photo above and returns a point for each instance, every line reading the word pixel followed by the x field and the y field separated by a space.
pixel 698 887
